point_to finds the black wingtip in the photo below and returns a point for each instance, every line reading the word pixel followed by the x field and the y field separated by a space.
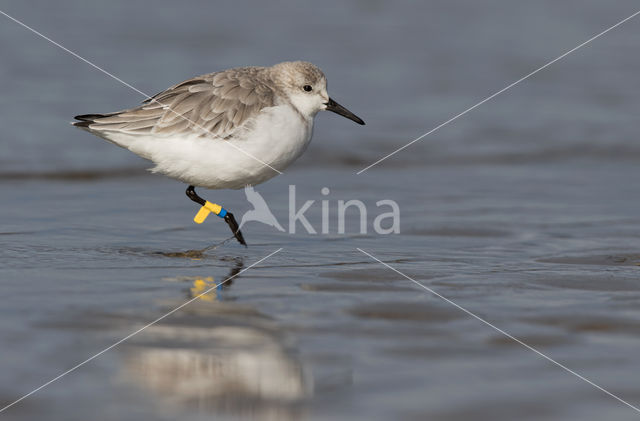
pixel 84 120
pixel 88 117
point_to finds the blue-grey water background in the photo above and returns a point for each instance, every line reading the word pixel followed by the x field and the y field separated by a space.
pixel 524 211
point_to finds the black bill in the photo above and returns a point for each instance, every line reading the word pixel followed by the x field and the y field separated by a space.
pixel 339 109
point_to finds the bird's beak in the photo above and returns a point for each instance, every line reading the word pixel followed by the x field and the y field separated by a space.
pixel 339 109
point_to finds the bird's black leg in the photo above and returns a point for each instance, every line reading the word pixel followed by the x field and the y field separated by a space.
pixel 235 228
pixel 191 194
pixel 228 216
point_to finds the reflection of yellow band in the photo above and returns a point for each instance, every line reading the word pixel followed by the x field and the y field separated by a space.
pixel 204 289
pixel 206 210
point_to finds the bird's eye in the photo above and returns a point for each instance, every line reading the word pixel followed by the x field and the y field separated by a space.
pixel 307 88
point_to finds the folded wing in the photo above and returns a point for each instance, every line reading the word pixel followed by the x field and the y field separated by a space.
pixel 212 105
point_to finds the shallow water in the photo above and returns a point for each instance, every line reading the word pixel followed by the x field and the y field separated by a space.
pixel 524 212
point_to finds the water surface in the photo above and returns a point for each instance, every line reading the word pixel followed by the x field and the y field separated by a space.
pixel 524 211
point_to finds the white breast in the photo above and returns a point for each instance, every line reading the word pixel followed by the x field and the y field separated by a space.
pixel 277 137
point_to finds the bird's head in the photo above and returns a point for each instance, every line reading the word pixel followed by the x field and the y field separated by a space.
pixel 306 87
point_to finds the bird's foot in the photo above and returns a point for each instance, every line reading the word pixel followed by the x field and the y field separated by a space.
pixel 231 221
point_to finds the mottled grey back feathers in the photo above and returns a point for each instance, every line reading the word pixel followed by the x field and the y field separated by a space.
pixel 213 104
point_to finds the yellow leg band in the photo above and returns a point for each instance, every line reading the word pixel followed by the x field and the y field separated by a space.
pixel 206 210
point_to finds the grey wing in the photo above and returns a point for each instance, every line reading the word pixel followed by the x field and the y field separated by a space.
pixel 215 104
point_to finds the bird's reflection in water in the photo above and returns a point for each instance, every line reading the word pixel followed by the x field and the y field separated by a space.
pixel 219 357
pixel 208 289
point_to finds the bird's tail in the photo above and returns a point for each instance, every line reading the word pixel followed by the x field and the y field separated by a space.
pixel 106 126
pixel 85 120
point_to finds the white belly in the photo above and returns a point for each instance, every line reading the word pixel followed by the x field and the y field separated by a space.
pixel 279 137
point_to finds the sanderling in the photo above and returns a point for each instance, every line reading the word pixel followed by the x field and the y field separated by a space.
pixel 223 130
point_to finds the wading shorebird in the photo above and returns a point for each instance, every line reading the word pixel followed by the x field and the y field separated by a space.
pixel 223 130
